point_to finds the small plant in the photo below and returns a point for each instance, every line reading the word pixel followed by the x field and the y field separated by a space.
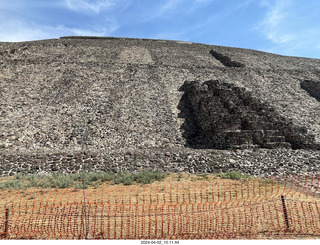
pixel 203 176
pixel 233 175
pixel 80 186
pixel 179 177
pixel 107 177
pixel 148 177
pixel 18 176
pixel 127 180
pixel 31 197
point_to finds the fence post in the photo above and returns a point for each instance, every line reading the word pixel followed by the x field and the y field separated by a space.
pixel 6 224
pixel 285 212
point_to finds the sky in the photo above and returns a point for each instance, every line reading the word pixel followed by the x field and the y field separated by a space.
pixel 286 27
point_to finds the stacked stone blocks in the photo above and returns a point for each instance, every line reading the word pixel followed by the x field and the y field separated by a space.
pixel 232 117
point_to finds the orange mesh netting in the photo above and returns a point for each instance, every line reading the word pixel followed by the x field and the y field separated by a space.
pixel 215 209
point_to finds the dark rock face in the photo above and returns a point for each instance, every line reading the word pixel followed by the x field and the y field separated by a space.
pixel 231 117
pixel 192 131
pixel 225 60
pixel 86 102
pixel 312 87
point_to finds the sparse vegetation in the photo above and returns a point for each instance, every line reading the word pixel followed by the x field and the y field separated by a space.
pixel 179 177
pixel 203 176
pixel 234 175
pixel 61 181
pixel 96 179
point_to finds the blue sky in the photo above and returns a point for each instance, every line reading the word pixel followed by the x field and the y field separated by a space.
pixel 288 27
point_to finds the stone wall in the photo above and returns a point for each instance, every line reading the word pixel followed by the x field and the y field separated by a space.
pixel 231 117
pixel 257 162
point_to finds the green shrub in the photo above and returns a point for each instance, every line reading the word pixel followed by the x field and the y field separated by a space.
pixel 60 181
pixel 127 180
pixel 148 177
pixel 11 184
pixel 233 175
pixel 107 177
pixel 204 176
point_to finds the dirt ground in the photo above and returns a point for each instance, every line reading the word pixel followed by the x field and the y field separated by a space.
pixel 181 206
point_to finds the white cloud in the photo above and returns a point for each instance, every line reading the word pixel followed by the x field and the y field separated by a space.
pixel 18 31
pixel 85 32
pixel 204 2
pixel 167 6
pixel 245 3
pixel 292 27
pixel 273 25
pixel 30 23
pixel 96 6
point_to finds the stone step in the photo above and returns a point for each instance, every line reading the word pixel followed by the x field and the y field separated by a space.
pixel 272 145
pixel 278 138
pixel 245 146
pixel 239 137
pixel 261 134
pixel 271 132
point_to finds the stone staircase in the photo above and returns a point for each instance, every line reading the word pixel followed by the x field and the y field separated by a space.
pixel 231 117
pixel 240 139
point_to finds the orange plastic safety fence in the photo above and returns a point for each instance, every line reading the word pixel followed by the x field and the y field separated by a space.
pixel 286 207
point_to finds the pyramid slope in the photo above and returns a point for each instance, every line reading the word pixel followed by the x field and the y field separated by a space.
pixel 106 95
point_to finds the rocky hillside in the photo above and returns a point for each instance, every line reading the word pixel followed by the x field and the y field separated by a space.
pixel 132 104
